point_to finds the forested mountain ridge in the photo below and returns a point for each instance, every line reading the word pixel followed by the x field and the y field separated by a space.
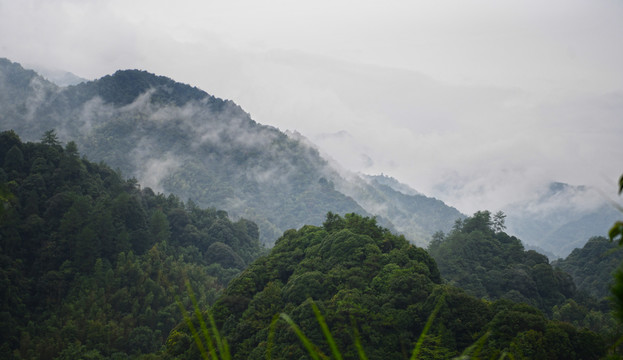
pixel 417 216
pixel 593 265
pixel 91 264
pixel 561 217
pixel 361 276
pixel 478 256
pixel 179 139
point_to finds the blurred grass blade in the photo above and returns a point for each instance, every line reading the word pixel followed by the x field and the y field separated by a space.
pixel 221 342
pixel 193 331
pixel 271 336
pixel 358 346
pixel 327 333
pixel 202 324
pixel 429 322
pixel 311 348
pixel 476 347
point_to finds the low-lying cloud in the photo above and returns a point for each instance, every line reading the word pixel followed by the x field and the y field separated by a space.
pixel 477 103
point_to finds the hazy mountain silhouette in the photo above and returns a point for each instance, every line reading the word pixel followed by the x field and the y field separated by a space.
pixel 179 139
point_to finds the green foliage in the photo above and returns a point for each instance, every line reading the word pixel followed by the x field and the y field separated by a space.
pixel 478 257
pixel 315 352
pixel 617 287
pixel 592 266
pixel 352 289
pixel 616 231
pixel 95 262
pixel 412 214
pixel 211 336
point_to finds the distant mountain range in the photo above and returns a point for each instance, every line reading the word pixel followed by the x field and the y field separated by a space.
pixel 58 77
pixel 178 139
pixel 563 217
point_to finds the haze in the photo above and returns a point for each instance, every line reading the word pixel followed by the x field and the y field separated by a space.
pixel 478 103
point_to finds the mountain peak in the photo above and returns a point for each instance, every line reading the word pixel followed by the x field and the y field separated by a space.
pixel 14 77
pixel 176 138
pixel 124 86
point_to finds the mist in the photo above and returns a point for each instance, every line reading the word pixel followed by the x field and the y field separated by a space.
pixel 477 103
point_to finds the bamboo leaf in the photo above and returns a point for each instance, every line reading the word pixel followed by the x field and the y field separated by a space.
pixel 616 231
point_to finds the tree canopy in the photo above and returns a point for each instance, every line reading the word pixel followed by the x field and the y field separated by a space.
pixel 485 261
pixel 90 263
pixel 365 279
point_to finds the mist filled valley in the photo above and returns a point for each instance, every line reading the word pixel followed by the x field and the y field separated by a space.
pixel 128 200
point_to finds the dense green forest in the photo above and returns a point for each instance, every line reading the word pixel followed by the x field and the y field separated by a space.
pixel 91 264
pixel 593 265
pixel 479 257
pixel 363 278
pixel 485 261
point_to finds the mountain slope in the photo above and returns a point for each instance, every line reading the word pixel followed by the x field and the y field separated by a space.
pixel 176 138
pixel 592 266
pixel 561 218
pixel 491 264
pixel 373 286
pixel 92 264
pixel 414 215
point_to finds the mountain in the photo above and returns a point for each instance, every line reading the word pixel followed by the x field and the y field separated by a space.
pixel 592 266
pixel 413 214
pixel 91 265
pixel 488 263
pixel 375 293
pixel 179 139
pixel 560 218
pixel 58 77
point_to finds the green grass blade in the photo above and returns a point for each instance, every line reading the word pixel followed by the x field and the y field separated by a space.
pixel 476 347
pixel 202 324
pixel 311 348
pixel 327 333
pixel 429 322
pixel 358 346
pixel 271 336
pixel 221 342
pixel 193 331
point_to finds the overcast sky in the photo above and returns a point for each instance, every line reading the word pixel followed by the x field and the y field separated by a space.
pixel 476 102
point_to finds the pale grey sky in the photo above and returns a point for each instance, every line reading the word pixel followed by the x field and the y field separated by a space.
pixel 476 102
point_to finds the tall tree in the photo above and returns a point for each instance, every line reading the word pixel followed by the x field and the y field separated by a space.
pixel 498 221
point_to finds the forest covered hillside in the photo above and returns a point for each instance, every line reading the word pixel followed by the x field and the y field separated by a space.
pixel 592 266
pixel 111 194
pixel 374 288
pixel 478 256
pixel 91 263
pixel 181 140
